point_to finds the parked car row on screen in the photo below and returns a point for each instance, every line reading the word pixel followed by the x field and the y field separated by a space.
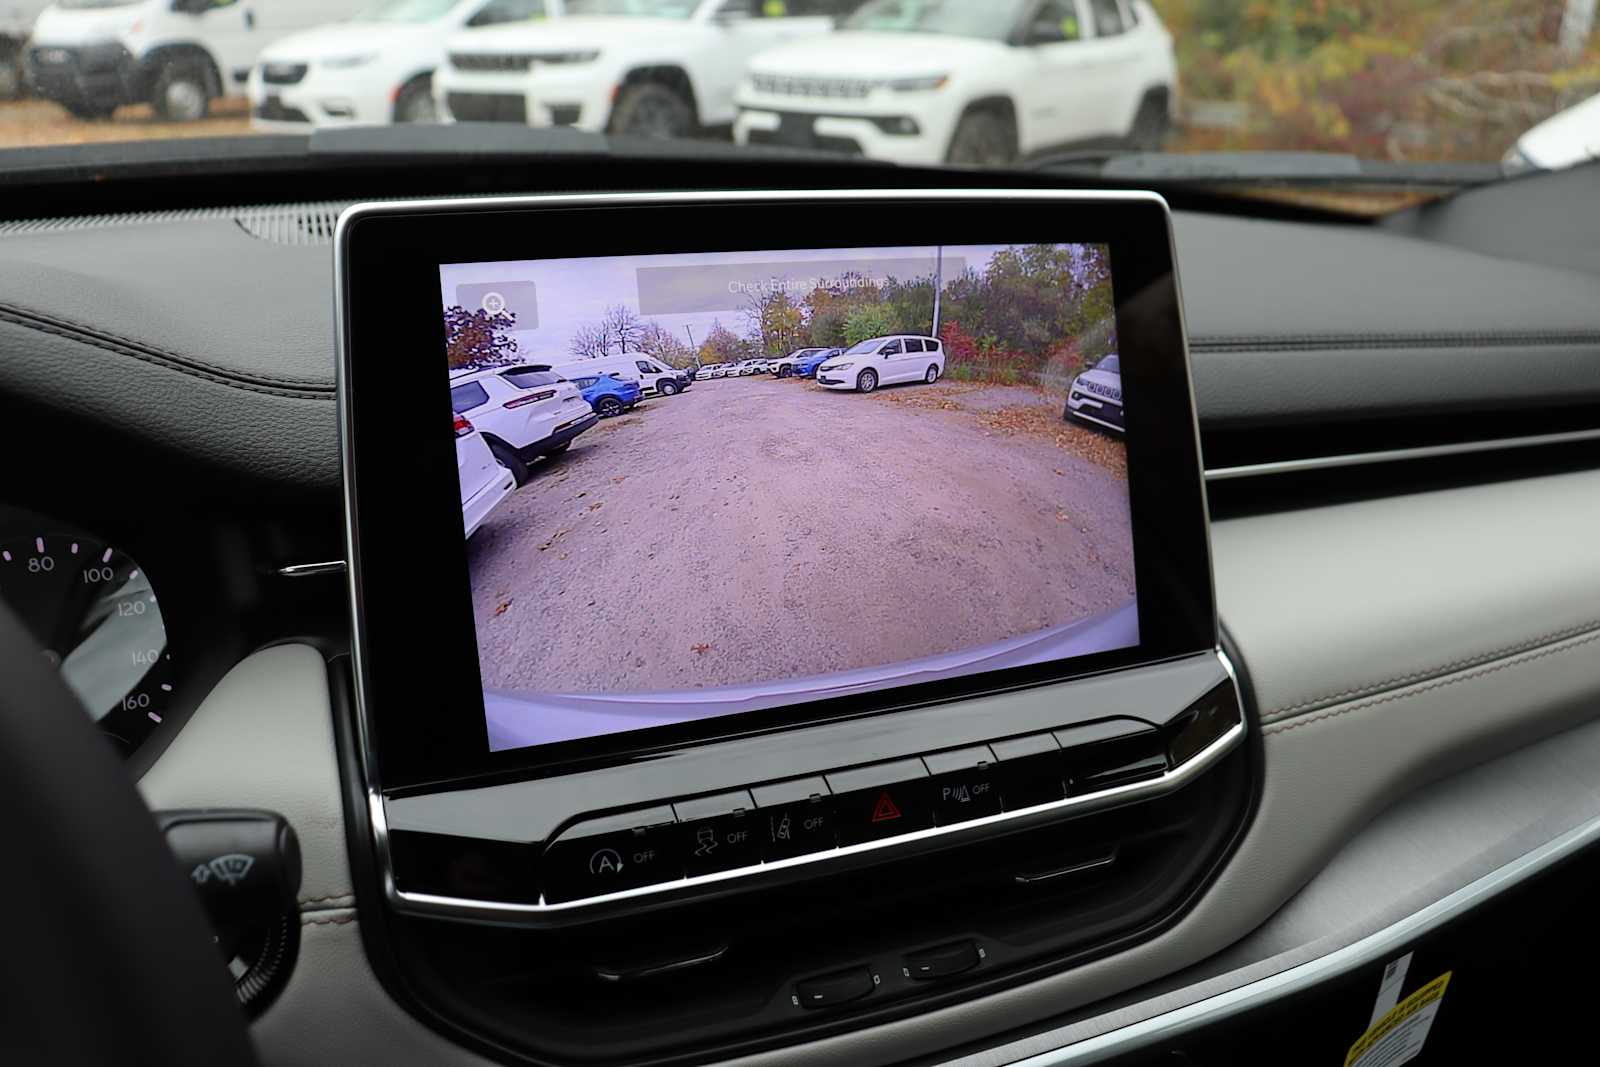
pixel 506 417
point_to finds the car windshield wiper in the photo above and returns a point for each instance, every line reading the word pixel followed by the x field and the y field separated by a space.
pixel 1283 168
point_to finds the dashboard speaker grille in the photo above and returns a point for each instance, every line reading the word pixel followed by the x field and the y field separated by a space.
pixel 309 223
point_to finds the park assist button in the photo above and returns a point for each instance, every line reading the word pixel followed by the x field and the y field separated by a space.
pixel 610 854
pixel 881 800
pixel 965 784
pixel 719 833
pixel 797 817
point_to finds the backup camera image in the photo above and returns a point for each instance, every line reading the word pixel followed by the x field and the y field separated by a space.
pixel 704 484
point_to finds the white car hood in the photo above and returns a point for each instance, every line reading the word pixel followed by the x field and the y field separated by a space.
pixel 1565 138
pixel 879 55
pixel 85 26
pixel 578 33
pixel 350 39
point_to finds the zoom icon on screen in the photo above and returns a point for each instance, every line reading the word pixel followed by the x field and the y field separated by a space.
pixel 519 298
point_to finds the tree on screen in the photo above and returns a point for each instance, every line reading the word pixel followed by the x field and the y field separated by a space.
pixel 721 345
pixel 478 338
pixel 590 342
pixel 622 327
pixel 658 342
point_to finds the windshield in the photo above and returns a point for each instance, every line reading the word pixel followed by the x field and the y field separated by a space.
pixel 861 348
pixel 658 9
pixel 994 19
pixel 1363 106
pixel 1109 364
pixel 407 11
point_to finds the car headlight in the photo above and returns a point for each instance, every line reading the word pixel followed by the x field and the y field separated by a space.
pixel 349 62
pixel 918 85
pixel 839 366
pixel 565 58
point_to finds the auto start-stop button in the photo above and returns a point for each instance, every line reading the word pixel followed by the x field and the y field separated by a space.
pixel 613 853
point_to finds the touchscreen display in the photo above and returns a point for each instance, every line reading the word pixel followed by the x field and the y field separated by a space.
pixel 707 484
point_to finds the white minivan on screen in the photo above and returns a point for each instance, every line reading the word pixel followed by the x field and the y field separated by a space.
pixel 903 357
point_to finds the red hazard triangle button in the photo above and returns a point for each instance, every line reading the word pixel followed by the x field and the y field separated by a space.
pixel 885 809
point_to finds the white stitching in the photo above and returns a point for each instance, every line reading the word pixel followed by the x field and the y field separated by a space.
pixel 1306 720
pixel 1430 672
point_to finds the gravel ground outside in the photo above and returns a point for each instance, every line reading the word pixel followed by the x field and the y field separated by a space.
pixel 754 529
pixel 39 122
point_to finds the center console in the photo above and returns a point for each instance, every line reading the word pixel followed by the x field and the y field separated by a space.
pixel 893 677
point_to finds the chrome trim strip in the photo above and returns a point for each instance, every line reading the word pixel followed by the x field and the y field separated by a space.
pixel 311 570
pixel 1373 948
pixel 478 909
pixel 1169 781
pixel 1394 455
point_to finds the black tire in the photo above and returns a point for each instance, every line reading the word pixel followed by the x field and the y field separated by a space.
pixel 933 373
pixel 667 388
pixel 415 102
pixel 507 457
pixel 649 109
pixel 785 371
pixel 1150 124
pixel 182 92
pixel 89 112
pixel 867 381
pixel 608 407
pixel 983 139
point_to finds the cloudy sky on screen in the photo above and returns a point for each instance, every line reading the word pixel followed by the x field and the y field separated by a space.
pixel 691 289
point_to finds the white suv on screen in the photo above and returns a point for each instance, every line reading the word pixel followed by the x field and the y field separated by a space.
pixel 1096 394
pixel 522 413
pixel 887 360
pixel 484 482
pixel 374 69
pixel 654 68
pixel 967 81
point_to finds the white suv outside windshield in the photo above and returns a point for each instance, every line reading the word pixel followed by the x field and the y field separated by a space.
pixel 958 18
pixel 659 9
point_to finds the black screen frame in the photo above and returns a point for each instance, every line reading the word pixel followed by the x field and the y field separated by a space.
pixel 419 692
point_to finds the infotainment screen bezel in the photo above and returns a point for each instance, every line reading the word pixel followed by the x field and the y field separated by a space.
pixel 419 695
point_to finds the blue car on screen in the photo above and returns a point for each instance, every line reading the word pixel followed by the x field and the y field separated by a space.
pixel 608 396
pixel 807 367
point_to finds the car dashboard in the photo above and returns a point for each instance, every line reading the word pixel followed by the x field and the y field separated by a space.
pixel 1402 452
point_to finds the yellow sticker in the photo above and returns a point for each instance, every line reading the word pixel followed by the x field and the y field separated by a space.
pixel 1398 1036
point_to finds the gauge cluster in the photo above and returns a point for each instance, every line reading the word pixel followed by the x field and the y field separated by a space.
pixel 141 619
pixel 96 615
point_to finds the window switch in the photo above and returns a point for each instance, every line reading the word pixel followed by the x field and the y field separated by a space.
pixel 942 961
pixel 837 987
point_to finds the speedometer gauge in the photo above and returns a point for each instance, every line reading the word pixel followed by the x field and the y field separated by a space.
pixel 93 611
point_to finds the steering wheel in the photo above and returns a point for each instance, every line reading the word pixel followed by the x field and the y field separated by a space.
pixel 110 958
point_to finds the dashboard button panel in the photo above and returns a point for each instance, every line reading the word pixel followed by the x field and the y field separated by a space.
pixel 841 818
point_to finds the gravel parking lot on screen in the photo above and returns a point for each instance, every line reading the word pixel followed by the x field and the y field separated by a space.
pixel 755 529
